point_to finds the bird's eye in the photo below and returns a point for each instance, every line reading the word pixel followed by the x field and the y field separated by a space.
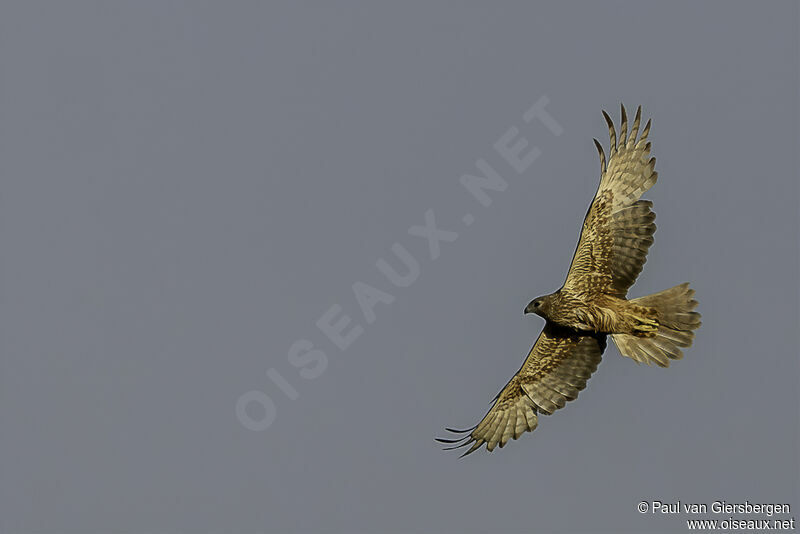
pixel 536 304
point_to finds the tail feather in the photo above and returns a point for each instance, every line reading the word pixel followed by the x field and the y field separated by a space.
pixel 677 322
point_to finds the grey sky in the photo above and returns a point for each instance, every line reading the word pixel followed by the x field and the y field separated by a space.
pixel 187 187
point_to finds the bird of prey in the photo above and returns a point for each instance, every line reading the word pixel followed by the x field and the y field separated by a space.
pixel 592 304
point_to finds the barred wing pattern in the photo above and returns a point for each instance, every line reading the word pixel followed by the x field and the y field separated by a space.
pixel 618 229
pixel 556 369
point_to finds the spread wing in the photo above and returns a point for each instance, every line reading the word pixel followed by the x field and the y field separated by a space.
pixel 556 369
pixel 618 228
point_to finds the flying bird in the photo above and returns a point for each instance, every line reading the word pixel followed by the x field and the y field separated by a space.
pixel 592 303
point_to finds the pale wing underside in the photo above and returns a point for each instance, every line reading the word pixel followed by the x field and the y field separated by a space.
pixel 556 369
pixel 618 229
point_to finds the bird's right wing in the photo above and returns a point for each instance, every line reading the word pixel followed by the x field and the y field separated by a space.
pixel 618 229
pixel 556 369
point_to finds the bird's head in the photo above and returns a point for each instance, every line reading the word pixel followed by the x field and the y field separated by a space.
pixel 540 306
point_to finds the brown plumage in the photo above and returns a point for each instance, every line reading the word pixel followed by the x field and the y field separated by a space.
pixel 592 304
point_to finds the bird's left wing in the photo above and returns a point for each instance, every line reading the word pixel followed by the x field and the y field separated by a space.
pixel 556 369
pixel 618 228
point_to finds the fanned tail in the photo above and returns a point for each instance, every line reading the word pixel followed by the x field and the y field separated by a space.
pixel 677 322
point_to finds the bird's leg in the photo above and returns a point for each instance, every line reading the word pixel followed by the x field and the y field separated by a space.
pixel 642 322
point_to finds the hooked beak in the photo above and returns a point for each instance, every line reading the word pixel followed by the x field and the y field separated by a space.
pixel 529 308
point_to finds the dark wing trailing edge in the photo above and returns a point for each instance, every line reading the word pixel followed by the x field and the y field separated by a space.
pixel 618 229
pixel 556 369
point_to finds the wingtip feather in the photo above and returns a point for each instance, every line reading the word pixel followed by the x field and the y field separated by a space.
pixel 635 129
pixel 612 134
pixel 602 155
